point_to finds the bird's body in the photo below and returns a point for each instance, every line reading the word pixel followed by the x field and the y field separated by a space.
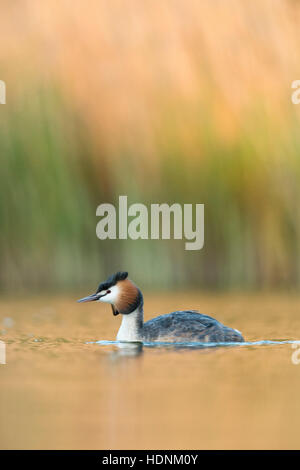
pixel 188 325
pixel 182 326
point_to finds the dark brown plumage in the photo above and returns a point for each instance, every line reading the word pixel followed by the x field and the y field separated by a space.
pixel 129 297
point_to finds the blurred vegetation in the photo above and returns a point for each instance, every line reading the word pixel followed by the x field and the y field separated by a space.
pixel 180 102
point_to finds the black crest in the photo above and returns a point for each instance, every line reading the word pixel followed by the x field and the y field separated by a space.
pixel 112 280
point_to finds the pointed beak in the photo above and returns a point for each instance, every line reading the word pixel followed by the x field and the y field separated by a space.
pixel 90 298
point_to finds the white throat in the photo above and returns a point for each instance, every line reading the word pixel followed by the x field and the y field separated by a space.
pixel 129 329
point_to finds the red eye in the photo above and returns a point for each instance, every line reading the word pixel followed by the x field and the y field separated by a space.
pixel 108 291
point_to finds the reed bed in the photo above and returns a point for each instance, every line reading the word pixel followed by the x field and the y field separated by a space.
pixel 164 102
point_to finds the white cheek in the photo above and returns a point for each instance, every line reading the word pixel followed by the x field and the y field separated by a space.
pixel 112 297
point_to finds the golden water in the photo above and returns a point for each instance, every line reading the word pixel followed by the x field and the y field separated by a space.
pixel 57 391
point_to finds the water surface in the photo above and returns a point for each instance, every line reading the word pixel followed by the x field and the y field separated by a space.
pixel 66 386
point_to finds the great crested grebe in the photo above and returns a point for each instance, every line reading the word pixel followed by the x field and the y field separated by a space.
pixel 184 326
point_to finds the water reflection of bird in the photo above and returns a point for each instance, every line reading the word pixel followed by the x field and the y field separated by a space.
pixel 127 349
pixel 183 326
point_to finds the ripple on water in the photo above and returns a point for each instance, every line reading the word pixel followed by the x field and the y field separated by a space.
pixel 196 345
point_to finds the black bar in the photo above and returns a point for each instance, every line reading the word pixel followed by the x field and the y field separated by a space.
pixel 137 458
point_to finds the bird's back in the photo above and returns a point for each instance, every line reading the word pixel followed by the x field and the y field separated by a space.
pixel 186 326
